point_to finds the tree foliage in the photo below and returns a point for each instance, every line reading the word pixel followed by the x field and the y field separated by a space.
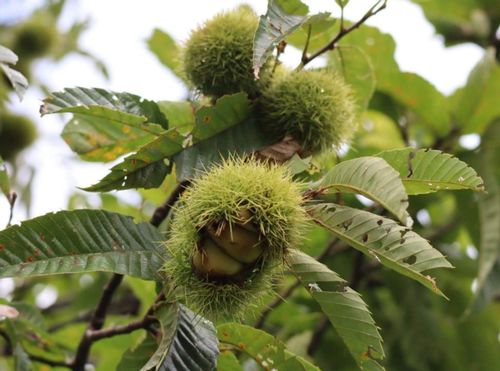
pixel 367 285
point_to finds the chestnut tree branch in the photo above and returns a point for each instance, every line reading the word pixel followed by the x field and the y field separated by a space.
pixel 376 8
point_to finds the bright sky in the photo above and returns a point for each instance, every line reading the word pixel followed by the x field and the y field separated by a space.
pixel 117 35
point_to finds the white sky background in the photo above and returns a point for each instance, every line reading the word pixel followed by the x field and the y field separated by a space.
pixel 117 35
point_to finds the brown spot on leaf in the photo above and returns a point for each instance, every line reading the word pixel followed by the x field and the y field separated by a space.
pixel 2 247
pixel 29 259
pixel 365 237
pixel 380 221
pixel 347 224
pixel 42 237
pixel 207 119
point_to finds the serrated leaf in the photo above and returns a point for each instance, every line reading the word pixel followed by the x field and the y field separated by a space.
pixel 240 139
pixel 106 124
pixel 166 50
pixel 144 169
pixel 100 139
pixel 4 180
pixel 188 342
pixel 264 348
pixel 281 19
pixel 476 105
pixel 373 178
pixel 18 81
pixel 426 171
pixel 81 241
pixel 228 111
pixel 356 67
pixel 180 115
pixel 344 307
pixel 395 246
pixel 147 168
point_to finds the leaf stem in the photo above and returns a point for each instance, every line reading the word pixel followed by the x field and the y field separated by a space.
pixel 306 46
pixel 161 213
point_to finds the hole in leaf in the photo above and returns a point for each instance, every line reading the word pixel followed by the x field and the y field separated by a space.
pixel 410 260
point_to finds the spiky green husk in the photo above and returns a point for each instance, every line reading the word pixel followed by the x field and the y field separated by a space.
pixel 34 39
pixel 16 133
pixel 221 195
pixel 315 107
pixel 218 55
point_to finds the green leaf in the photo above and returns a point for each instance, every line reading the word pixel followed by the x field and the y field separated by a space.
pixel 356 67
pixel 81 241
pixel 322 32
pixel 476 105
pixel 240 139
pixel 147 167
pixel 420 96
pixel 144 169
pixel 462 21
pixel 180 115
pixel 380 47
pixel 344 307
pixel 394 246
pixel 373 178
pixel 227 361
pixel 426 171
pixel 267 351
pixel 379 132
pixel 282 18
pixel 228 111
pixel 166 50
pixel 18 81
pixel 106 124
pixel 22 361
pixel 488 280
pixel 4 180
pixel 138 355
pixel 189 342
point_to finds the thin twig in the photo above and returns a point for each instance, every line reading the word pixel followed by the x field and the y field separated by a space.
pixel 49 362
pixel 111 331
pixel 12 201
pixel 317 336
pixel 280 49
pixel 96 323
pixel 306 46
pixel 161 213
pixel 342 19
pixel 377 7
